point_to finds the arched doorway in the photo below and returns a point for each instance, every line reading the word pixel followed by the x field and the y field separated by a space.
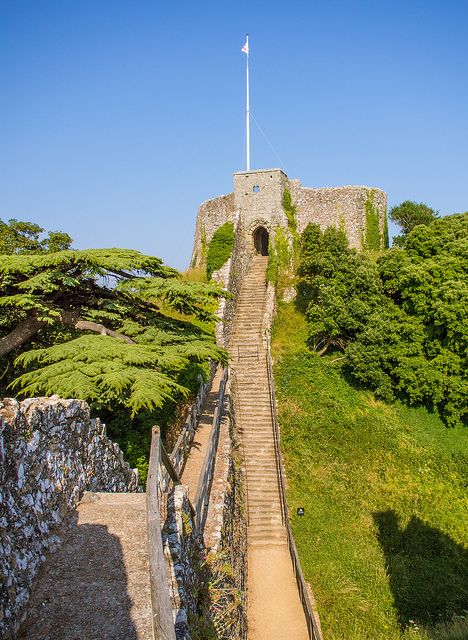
pixel 260 238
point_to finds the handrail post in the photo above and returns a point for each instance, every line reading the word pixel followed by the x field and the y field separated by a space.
pixel 162 620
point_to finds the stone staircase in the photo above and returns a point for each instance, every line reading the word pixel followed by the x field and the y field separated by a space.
pixel 274 608
pixel 256 428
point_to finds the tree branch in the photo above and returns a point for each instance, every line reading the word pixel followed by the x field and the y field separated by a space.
pixel 21 334
pixel 73 319
pixel 31 325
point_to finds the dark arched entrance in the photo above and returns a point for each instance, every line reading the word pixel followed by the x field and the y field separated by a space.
pixel 260 238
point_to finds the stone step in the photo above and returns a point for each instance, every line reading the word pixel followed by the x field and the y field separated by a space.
pixel 266 536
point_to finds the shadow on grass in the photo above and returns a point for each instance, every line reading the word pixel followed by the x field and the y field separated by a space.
pixel 428 571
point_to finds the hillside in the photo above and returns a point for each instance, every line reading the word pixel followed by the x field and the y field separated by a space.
pixel 384 492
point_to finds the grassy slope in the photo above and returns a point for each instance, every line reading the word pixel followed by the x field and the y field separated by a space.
pixel 384 497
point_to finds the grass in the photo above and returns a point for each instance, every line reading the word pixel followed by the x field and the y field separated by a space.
pixel 384 492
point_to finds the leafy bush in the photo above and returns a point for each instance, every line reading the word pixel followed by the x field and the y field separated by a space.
pixel 402 323
pixel 220 248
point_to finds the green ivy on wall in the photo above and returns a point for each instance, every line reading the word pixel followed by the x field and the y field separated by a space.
pixel 372 236
pixel 290 211
pixel 386 238
pixel 279 270
pixel 219 248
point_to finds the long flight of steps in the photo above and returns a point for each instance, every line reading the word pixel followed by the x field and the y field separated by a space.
pixel 274 609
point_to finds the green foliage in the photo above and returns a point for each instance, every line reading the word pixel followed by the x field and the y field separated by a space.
pixel 373 239
pixel 337 287
pixel 27 237
pixel 290 211
pixel 402 323
pixel 154 324
pixel 409 214
pixel 383 540
pixel 279 269
pixel 220 248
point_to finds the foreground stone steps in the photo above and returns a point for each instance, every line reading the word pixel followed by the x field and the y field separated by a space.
pixel 96 585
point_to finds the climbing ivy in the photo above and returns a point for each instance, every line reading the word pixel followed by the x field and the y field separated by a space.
pixel 291 215
pixel 386 239
pixel 290 211
pixel 372 233
pixel 279 270
pixel 220 248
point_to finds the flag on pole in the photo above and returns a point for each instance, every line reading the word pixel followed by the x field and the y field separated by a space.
pixel 245 48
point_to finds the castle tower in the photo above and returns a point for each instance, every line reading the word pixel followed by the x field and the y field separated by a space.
pixel 256 210
pixel 258 199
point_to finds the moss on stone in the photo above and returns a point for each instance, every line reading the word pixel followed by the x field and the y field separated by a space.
pixel 220 248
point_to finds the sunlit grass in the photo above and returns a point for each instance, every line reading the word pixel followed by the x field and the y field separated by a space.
pixel 384 490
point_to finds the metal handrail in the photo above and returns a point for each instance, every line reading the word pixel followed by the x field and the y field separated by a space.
pixel 182 446
pixel 276 434
pixel 206 474
pixel 312 626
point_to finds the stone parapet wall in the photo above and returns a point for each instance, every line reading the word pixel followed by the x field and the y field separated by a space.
pixel 51 451
pixel 212 214
pixel 257 200
pixel 341 207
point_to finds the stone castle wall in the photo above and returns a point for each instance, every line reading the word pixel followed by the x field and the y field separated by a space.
pixel 257 201
pixel 51 451
pixel 212 214
pixel 342 207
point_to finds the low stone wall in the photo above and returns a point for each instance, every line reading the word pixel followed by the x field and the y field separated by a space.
pixel 183 552
pixel 231 276
pixel 51 451
pixel 240 263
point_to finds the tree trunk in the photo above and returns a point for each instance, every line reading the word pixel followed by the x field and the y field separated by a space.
pixel 29 327
pixel 21 334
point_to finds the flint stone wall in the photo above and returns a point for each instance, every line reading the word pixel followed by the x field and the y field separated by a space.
pixel 51 451
pixel 225 533
pixel 183 552
pixel 230 276
pixel 212 214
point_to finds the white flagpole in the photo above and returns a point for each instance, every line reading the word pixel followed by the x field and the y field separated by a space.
pixel 247 113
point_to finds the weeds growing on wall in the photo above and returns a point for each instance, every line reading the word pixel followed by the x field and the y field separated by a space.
pixel 290 211
pixel 220 248
pixel 279 270
pixel 284 250
pixel 386 238
pixel 372 237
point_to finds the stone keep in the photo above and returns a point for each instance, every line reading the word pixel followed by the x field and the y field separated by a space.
pixel 257 202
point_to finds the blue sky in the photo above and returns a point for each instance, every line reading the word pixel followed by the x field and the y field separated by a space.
pixel 117 119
